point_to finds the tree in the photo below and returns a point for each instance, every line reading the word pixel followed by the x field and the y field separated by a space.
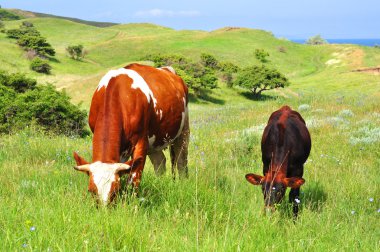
pixel 76 52
pixel 261 55
pixel 260 78
pixel 316 40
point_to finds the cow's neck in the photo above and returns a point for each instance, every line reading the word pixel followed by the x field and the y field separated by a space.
pixel 107 141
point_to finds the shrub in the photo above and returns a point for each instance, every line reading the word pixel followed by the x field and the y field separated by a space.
pixel 37 43
pixel 42 105
pixel 27 24
pixel 228 70
pixel 17 82
pixel 316 40
pixel 260 78
pixel 1 24
pixel 195 74
pixel 40 66
pixel 8 16
pixel 76 52
pixel 261 55
pixel 281 49
pixel 209 60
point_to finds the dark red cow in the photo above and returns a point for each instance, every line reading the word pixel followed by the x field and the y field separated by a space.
pixel 285 147
pixel 136 111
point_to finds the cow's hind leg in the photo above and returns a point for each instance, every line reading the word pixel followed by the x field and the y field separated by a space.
pixel 294 199
pixel 178 151
pixel 158 160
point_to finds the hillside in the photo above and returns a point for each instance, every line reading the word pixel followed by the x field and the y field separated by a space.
pixel 309 68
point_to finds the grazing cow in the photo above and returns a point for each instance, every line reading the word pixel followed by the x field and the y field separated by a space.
pixel 285 147
pixel 135 111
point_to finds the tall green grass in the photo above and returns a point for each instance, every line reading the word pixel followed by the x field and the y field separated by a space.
pixel 45 205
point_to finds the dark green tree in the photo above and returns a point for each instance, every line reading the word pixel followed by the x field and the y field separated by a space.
pixel 260 78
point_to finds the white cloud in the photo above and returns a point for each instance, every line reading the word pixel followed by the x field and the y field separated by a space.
pixel 167 13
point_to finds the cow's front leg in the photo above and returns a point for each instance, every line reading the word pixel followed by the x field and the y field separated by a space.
pixel 294 199
pixel 139 156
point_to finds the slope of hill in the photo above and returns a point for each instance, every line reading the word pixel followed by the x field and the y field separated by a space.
pixel 31 14
pixel 309 68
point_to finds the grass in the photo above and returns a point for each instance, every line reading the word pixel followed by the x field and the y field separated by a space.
pixel 215 209
pixel 45 205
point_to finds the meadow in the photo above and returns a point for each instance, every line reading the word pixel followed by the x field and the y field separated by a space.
pixel 45 206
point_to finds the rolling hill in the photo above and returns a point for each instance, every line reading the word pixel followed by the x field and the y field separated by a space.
pixel 309 68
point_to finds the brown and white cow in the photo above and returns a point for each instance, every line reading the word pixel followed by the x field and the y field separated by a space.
pixel 285 147
pixel 135 111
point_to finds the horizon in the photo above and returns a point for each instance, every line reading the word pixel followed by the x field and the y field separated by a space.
pixel 294 21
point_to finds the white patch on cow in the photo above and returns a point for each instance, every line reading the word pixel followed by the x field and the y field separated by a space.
pixel 131 178
pixel 151 141
pixel 111 74
pixel 103 175
pixel 138 82
pixel 184 114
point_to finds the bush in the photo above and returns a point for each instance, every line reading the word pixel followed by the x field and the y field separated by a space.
pixel 316 40
pixel 1 24
pixel 261 55
pixel 8 16
pixel 195 75
pixel 27 24
pixel 281 49
pixel 40 66
pixel 17 82
pixel 209 60
pixel 43 105
pixel 37 43
pixel 76 52
pixel 260 78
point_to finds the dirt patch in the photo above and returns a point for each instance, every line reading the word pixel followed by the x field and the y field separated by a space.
pixel 372 70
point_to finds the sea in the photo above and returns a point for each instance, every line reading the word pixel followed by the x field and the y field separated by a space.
pixel 363 42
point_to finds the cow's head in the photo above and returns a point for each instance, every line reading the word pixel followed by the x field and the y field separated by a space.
pixel 104 177
pixel 273 187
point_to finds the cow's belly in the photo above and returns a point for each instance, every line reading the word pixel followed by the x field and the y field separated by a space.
pixel 163 135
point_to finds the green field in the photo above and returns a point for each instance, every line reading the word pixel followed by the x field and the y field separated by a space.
pixel 44 204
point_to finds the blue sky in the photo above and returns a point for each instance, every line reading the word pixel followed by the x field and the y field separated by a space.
pixel 285 18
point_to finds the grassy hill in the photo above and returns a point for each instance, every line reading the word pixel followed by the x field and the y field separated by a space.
pixel 307 67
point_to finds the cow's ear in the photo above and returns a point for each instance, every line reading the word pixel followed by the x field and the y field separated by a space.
pixel 254 178
pixel 79 159
pixel 294 182
pixel 131 164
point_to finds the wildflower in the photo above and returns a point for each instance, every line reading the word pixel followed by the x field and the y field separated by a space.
pixel 24 245
pixel 274 188
pixel 370 199
pixel 352 212
pixel 33 228
pixel 297 201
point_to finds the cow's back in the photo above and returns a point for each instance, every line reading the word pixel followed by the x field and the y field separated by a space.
pixel 145 101
pixel 285 139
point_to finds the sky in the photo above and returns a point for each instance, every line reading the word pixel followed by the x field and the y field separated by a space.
pixel 292 19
